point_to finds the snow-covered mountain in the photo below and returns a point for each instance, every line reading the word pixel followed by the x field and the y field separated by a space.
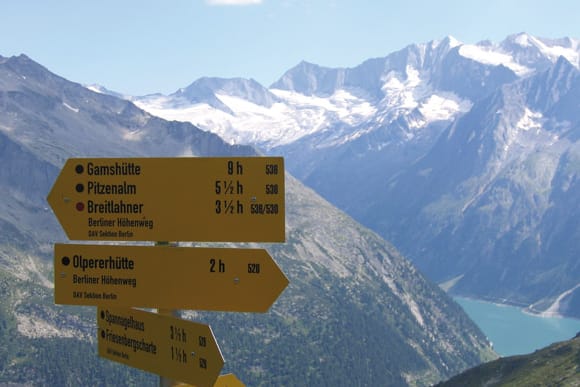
pixel 414 143
pixel 427 82
pixel 246 112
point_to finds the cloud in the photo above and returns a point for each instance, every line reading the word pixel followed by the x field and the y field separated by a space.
pixel 233 2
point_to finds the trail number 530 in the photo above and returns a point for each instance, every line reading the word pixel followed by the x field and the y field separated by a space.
pixel 271 169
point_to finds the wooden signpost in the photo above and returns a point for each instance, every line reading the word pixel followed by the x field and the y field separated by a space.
pixel 171 199
pixel 227 380
pixel 168 346
pixel 218 199
pixel 217 279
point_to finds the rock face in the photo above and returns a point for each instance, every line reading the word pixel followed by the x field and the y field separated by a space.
pixel 494 199
pixel 355 311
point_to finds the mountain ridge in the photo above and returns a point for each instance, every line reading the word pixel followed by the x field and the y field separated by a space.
pixel 365 80
pixel 512 157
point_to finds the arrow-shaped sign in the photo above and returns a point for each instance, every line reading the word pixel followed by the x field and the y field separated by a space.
pixel 218 279
pixel 168 346
pixel 172 199
pixel 227 380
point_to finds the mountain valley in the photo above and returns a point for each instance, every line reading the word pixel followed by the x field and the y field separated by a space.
pixel 355 309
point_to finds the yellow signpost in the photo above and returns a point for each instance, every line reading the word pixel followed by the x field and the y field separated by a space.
pixel 227 380
pixel 235 199
pixel 168 346
pixel 218 279
pixel 219 199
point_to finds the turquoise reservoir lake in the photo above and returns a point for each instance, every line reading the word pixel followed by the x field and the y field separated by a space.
pixel 514 332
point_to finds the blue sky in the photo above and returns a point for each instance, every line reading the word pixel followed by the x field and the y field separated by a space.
pixel 146 46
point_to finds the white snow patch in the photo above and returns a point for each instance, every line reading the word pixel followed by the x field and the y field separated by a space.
pixel 443 107
pixel 530 120
pixel 523 40
pixel 340 138
pixel 454 42
pixel 554 52
pixel 95 88
pixel 132 135
pixel 487 55
pixel 404 95
pixel 69 107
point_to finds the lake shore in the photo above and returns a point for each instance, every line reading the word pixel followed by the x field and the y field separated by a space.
pixel 514 331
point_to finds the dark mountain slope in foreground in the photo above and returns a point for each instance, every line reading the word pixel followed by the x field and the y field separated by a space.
pixel 355 312
pixel 556 365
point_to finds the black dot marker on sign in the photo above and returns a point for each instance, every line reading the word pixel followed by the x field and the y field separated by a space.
pixel 65 260
pixel 79 169
pixel 80 188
